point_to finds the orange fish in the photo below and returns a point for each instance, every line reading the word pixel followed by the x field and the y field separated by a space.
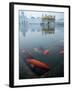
pixel 37 63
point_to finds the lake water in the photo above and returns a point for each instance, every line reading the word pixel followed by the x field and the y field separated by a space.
pixel 33 39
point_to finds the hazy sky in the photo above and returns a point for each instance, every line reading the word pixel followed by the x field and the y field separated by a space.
pixel 58 15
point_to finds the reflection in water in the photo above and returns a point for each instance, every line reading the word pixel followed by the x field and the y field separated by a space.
pixel 37 28
pixel 24 29
pixel 23 23
pixel 46 26
pixel 37 51
pixel 48 30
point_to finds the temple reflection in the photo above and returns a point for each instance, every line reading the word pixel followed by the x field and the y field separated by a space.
pixel 47 30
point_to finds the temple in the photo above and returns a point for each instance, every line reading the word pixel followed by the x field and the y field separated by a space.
pixel 48 21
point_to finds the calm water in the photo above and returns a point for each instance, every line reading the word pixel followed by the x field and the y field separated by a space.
pixel 34 36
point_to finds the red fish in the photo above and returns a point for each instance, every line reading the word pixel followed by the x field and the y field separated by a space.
pixel 38 64
pixel 45 52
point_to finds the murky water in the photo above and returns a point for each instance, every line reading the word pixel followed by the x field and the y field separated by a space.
pixel 33 40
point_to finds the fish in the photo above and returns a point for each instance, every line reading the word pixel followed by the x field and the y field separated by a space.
pixel 45 52
pixel 36 63
pixel 37 50
pixel 41 50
